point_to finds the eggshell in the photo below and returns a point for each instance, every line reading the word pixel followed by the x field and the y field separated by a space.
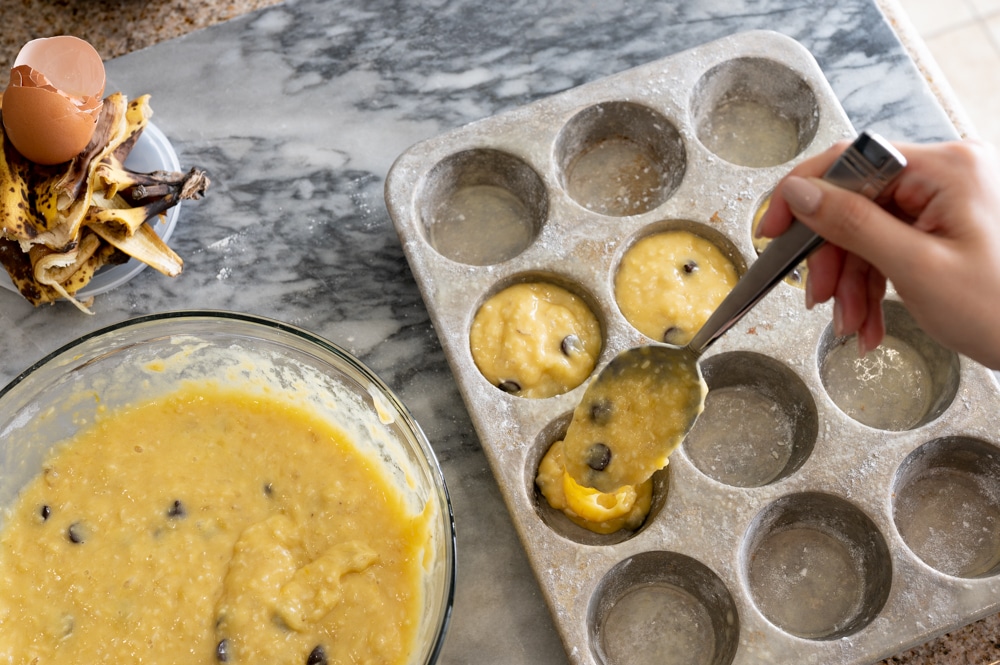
pixel 52 102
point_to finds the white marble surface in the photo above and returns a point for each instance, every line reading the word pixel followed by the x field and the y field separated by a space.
pixel 298 111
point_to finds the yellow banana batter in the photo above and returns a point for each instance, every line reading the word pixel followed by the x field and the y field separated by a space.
pixel 210 526
pixel 669 283
pixel 535 340
pixel 597 511
pixel 800 273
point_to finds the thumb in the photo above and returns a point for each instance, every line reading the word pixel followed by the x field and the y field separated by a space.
pixel 850 221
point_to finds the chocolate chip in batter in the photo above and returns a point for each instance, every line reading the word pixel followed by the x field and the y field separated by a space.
pixel 268 489
pixel 317 656
pixel 45 512
pixel 795 275
pixel 508 386
pixel 598 457
pixel 673 335
pixel 600 411
pixel 75 533
pixel 569 344
pixel 690 266
pixel 222 651
pixel 176 509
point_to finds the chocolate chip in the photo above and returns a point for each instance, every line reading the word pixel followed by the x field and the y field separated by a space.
pixel 75 533
pixel 795 275
pixel 600 411
pixel 690 267
pixel 317 656
pixel 598 457
pixel 673 335
pixel 176 509
pixel 508 386
pixel 45 512
pixel 222 651
pixel 569 344
pixel 268 489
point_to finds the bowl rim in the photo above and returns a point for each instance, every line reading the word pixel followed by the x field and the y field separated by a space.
pixel 254 320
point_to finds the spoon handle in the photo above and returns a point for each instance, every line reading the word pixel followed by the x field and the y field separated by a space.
pixel 867 167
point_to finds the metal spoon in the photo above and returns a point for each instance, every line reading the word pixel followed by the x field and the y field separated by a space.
pixel 643 403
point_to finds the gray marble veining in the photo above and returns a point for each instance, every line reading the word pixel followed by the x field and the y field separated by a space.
pixel 298 112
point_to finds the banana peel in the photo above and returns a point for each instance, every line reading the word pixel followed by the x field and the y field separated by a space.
pixel 60 224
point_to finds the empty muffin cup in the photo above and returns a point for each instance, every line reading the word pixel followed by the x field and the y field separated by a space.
pixel 908 381
pixel 816 566
pixel 946 506
pixel 759 424
pixel 620 158
pixel 663 608
pixel 482 206
pixel 754 112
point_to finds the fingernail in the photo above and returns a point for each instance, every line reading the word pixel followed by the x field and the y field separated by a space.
pixel 810 300
pixel 862 347
pixel 838 319
pixel 802 196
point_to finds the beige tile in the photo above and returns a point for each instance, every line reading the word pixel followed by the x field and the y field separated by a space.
pixel 986 8
pixel 993 26
pixel 971 63
pixel 933 17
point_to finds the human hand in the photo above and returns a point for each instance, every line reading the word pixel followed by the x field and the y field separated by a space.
pixel 944 262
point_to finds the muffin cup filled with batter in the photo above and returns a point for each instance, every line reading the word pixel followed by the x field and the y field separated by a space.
pixel 800 273
pixel 580 513
pixel 535 339
pixel 669 282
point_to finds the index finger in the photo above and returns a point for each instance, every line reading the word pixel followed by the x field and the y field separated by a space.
pixel 778 217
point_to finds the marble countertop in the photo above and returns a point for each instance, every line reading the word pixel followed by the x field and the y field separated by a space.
pixel 298 111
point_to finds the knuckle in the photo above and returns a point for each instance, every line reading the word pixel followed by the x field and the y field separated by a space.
pixel 846 212
pixel 969 153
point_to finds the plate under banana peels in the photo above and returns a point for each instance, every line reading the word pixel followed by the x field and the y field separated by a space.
pixel 60 224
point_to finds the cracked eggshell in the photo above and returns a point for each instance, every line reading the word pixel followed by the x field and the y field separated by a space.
pixel 51 104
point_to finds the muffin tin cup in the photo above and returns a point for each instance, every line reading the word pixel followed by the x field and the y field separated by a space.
pixel 837 491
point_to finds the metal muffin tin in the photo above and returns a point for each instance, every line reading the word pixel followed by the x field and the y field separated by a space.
pixel 857 542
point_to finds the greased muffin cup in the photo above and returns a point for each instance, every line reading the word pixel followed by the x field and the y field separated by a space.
pixel 825 508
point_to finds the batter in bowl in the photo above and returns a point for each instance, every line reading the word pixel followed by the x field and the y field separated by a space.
pixel 210 526
pixel 535 340
pixel 669 283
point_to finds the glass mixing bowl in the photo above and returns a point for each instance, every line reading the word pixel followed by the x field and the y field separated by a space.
pixel 139 359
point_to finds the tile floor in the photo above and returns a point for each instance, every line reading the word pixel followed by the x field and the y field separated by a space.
pixel 963 37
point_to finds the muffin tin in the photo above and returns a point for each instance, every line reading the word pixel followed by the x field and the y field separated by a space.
pixel 784 529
